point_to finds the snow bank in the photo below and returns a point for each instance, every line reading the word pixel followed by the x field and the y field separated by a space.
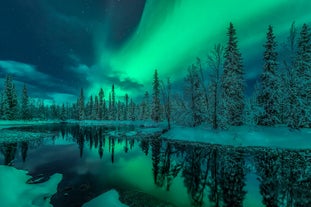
pixel 280 137
pixel 108 199
pixel 8 124
pixel 14 191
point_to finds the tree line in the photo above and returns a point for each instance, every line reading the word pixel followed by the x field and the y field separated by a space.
pixel 213 93
pixel 282 93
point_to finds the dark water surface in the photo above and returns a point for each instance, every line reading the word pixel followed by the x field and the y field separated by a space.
pixel 149 171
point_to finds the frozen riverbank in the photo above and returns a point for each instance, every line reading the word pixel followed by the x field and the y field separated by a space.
pixel 280 137
pixel 7 124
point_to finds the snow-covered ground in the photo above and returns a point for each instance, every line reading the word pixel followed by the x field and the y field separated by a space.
pixel 18 193
pixel 239 136
pixel 280 137
pixel 8 124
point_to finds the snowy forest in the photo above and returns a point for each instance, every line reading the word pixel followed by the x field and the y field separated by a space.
pixel 214 94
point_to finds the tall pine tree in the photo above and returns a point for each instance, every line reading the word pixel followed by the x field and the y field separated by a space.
pixel 268 98
pixel 101 103
pixel 113 103
pixel 9 99
pixel 155 113
pixel 215 62
pixel 233 83
pixel 303 68
pixel 25 115
pixel 81 105
pixel 195 95
pixel 126 107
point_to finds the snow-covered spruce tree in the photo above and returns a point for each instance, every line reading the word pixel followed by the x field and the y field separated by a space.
pixel 100 104
pixel 303 67
pixel 119 110
pixel 81 105
pixel 96 108
pixel 63 116
pixel 55 110
pixel 126 107
pixel 132 111
pixel 25 115
pixel 233 83
pixel 287 69
pixel 109 117
pixel 215 63
pixel 90 109
pixel 113 103
pixel 194 93
pixel 1 104
pixel 155 114
pixel 10 103
pixel 269 94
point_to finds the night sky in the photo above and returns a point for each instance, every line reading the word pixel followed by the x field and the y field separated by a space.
pixel 57 47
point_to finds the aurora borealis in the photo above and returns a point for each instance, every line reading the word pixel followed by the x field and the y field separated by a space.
pixel 95 43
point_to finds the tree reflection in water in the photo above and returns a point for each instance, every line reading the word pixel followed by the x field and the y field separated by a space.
pixel 213 175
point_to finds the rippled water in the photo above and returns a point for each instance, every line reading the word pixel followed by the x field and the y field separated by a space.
pixel 149 171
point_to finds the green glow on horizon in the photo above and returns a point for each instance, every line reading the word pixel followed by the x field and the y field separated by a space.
pixel 172 34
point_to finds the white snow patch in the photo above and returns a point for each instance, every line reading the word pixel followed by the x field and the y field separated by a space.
pixel 242 136
pixel 108 199
pixel 14 190
pixel 130 133
pixel 9 123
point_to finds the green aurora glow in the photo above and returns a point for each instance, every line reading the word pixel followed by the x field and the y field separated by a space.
pixel 173 33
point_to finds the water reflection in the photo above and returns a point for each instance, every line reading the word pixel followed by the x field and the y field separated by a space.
pixel 9 151
pixel 213 175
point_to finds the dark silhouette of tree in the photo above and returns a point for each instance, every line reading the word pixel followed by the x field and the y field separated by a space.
pixel 167 170
pixel 155 113
pixel 24 149
pixel 267 166
pixel 232 178
pixel 195 174
pixel 144 145
pixel 9 152
pixel 214 179
pixel 155 155
pixel 112 149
